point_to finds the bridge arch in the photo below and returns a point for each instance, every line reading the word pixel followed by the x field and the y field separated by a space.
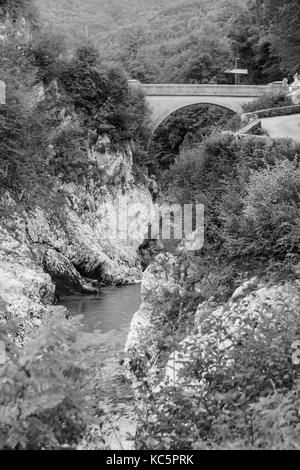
pixel 165 99
pixel 166 113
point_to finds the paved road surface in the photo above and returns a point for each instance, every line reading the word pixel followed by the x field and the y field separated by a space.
pixel 283 126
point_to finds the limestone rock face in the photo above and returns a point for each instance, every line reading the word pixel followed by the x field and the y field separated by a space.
pixel 91 240
pixel 147 321
pixel 88 244
pixel 66 278
pixel 26 291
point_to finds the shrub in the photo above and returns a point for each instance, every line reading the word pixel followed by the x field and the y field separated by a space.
pixel 271 207
pixel 239 376
pixel 267 102
pixel 50 389
pixel 40 399
pixel 217 174
pixel 45 52
pixel 102 98
pixel 19 8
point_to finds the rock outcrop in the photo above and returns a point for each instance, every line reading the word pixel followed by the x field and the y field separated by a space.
pixel 79 246
pixel 217 334
pixel 26 291
pixel 226 329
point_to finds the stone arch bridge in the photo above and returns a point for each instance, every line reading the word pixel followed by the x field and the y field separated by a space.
pixel 165 99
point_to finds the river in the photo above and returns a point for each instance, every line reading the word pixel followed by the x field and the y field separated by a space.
pixel 106 319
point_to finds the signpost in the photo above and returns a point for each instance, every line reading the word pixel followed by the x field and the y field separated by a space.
pixel 237 72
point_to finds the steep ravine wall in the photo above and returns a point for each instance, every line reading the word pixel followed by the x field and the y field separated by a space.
pixel 71 249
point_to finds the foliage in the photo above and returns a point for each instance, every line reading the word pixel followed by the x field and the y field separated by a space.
pixel 218 174
pixel 16 8
pixel 236 383
pixel 201 40
pixel 267 102
pixel 284 18
pixel 41 404
pixel 271 207
pixel 192 48
pixel 36 145
pixel 185 128
pixel 102 97
pixel 45 53
pixel 281 111
pixel 24 133
pixel 252 44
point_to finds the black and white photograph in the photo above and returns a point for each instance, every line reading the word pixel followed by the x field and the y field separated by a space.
pixel 149 228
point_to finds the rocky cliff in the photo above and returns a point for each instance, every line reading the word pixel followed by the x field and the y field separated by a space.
pixel 73 248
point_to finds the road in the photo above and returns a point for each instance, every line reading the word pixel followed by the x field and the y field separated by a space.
pixel 283 126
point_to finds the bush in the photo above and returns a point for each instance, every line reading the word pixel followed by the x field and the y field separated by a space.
pixel 271 207
pixel 239 376
pixel 102 98
pixel 50 388
pixel 267 102
pixel 19 8
pixel 217 174
pixel 40 399
pixel 45 52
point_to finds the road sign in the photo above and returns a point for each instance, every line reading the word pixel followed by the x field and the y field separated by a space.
pixel 238 71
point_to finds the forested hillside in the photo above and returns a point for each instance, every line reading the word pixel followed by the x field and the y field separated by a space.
pixel 185 41
pixel 154 41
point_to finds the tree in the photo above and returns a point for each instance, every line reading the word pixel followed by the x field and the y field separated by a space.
pixel 251 42
pixel 284 19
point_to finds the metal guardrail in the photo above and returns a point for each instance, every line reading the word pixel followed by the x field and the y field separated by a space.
pixel 279 111
pixel 250 127
pixel 254 119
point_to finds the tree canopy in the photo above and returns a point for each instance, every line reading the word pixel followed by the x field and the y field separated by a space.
pixel 185 41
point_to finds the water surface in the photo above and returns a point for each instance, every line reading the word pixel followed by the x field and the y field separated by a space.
pixel 111 310
pixel 106 320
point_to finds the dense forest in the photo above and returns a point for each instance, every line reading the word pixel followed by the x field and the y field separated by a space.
pixel 185 41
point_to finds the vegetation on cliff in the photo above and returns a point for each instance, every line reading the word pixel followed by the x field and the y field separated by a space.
pixel 225 319
pixel 36 144
pixel 60 105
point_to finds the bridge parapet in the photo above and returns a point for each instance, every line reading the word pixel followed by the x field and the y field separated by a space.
pixel 209 89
